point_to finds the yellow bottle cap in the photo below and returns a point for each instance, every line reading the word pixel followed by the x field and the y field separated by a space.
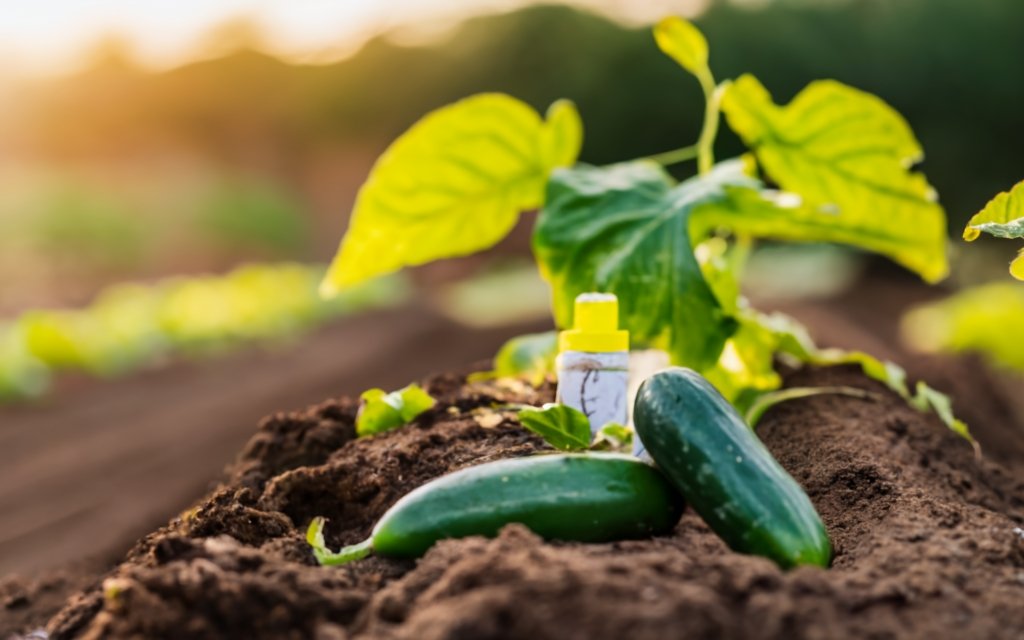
pixel 595 325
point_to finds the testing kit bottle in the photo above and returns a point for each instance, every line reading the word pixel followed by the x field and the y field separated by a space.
pixel 593 362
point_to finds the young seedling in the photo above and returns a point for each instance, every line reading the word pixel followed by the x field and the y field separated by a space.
pixel 381 411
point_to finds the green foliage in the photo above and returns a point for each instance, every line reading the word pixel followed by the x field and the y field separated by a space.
pixel 244 214
pixel 624 229
pixel 531 355
pixel 684 43
pixel 927 399
pixel 1002 217
pixel 80 223
pixel 842 158
pixel 564 428
pixel 130 326
pixel 846 154
pixel 454 184
pixel 22 375
pixel 615 437
pixel 507 292
pixel 382 411
pixel 745 368
pixel 986 319
pixel 792 340
pixel 766 401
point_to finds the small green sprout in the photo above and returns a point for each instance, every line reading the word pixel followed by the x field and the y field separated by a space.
pixel 382 411
pixel 561 426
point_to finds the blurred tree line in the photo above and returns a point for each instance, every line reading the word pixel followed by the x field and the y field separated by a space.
pixel 954 68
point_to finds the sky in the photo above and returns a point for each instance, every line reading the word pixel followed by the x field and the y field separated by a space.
pixel 51 37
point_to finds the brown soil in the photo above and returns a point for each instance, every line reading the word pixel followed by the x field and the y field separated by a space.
pixel 925 536
pixel 928 541
pixel 89 470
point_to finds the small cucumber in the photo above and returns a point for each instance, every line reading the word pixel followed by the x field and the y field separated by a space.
pixel 717 462
pixel 582 497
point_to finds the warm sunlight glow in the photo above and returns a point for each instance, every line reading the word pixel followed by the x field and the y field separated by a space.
pixel 54 36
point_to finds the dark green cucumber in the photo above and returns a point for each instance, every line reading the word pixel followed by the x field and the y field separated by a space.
pixel 582 497
pixel 717 462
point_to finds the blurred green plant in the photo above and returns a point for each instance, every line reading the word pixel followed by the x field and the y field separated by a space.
pixel 22 375
pixel 130 326
pixel 499 295
pixel 86 225
pixel 243 214
pixel 982 319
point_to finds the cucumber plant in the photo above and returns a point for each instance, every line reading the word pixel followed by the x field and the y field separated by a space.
pixel 673 252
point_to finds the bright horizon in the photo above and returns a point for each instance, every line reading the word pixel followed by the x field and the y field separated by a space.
pixel 53 37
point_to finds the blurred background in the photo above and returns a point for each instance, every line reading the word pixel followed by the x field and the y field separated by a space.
pixel 174 174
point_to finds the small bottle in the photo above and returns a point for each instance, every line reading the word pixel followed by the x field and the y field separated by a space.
pixel 593 362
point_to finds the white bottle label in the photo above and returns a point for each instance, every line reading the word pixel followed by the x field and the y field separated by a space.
pixel 596 384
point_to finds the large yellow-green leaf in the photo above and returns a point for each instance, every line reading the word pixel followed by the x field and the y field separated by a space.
pixel 1002 217
pixel 847 155
pixel 455 183
pixel 684 43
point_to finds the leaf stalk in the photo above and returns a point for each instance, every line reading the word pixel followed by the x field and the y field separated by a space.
pixel 712 110
pixel 674 156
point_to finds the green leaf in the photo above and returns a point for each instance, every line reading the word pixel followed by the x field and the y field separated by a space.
pixel 846 154
pixel 624 229
pixel 888 373
pixel 768 400
pixel 794 341
pixel 722 264
pixel 381 411
pixel 986 319
pixel 454 184
pixel 531 355
pixel 315 534
pixel 746 368
pixel 680 40
pixel 927 398
pixel 561 135
pixel 562 427
pixel 1002 217
pixel 613 436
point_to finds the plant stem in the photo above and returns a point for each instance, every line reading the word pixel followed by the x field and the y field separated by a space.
pixel 772 398
pixel 708 133
pixel 676 155
pixel 352 552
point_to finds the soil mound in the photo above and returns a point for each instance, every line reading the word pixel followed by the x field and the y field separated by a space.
pixel 929 541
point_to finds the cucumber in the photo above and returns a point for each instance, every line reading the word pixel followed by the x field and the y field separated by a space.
pixel 724 472
pixel 581 497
